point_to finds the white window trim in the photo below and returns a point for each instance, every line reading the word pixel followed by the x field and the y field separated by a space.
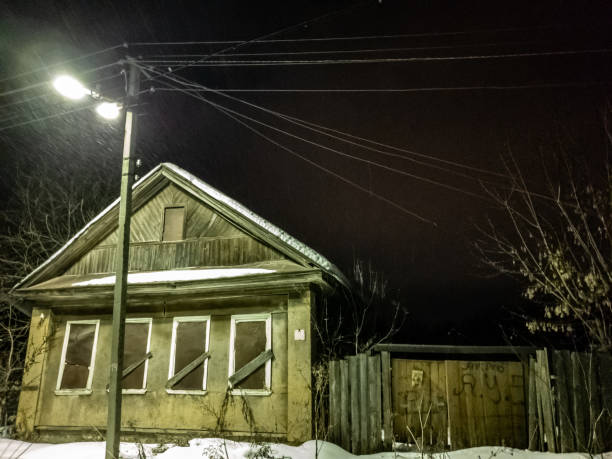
pixel 175 323
pixel 87 389
pixel 263 317
pixel 141 320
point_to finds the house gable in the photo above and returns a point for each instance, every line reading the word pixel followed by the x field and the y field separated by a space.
pixel 209 240
pixel 219 232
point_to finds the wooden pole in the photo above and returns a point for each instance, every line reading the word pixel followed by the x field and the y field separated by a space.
pixel 113 429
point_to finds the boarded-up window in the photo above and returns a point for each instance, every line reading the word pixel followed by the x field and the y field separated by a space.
pixel 78 355
pixel 251 337
pixel 135 349
pixel 189 342
pixel 174 220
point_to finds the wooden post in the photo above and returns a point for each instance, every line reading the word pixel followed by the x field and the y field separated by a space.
pixel 386 400
pixel 113 429
pixel 546 397
pixel 561 363
pixel 334 402
pixel 579 400
pixel 374 402
pixel 344 405
pixel 604 367
pixel 595 421
pixel 355 417
pixel 363 402
pixel 532 410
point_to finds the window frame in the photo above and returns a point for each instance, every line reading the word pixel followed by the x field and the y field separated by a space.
pixel 171 372
pixel 163 221
pixel 257 317
pixel 87 389
pixel 141 320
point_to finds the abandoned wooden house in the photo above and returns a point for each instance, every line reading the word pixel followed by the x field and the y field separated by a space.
pixel 211 288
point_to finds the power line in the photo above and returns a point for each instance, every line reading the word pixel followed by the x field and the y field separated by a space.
pixel 400 90
pixel 247 63
pixel 352 38
pixel 310 125
pixel 311 162
pixel 56 115
pixel 340 153
pixel 355 51
pixel 58 64
pixel 273 34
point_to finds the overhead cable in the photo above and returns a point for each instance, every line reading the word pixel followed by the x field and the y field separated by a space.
pixel 343 154
pixel 59 64
pixel 389 60
pixel 310 161
pixel 354 38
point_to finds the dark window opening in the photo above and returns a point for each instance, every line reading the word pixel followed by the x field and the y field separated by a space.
pixel 249 342
pixel 135 350
pixel 190 343
pixel 78 357
pixel 174 222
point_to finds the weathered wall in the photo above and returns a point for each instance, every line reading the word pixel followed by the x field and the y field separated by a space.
pixel 157 409
pixel 210 240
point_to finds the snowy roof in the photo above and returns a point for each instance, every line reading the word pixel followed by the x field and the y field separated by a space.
pixel 307 252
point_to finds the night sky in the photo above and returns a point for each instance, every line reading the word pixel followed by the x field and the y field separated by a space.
pixel 524 104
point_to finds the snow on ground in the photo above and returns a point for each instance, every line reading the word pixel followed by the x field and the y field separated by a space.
pixel 214 448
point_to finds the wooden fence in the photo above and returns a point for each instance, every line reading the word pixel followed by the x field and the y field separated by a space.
pixel 559 402
pixel 570 401
pixel 360 403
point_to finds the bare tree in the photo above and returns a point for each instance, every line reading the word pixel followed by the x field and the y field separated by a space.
pixel 355 319
pixel 47 206
pixel 559 244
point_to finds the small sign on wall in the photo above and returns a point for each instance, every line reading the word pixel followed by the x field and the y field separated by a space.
pixel 299 335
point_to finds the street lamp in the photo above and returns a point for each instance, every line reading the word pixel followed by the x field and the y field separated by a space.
pixel 72 89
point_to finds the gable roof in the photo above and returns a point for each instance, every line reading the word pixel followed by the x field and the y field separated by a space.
pixel 147 186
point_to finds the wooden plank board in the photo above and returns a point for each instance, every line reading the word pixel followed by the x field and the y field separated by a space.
pixel 532 412
pixel 604 368
pixel 355 418
pixel 334 402
pixel 562 380
pixel 547 400
pixel 516 398
pixel 363 402
pixel 595 412
pixel 373 375
pixel 387 412
pixel 459 434
pixel 345 406
pixel 186 370
pixel 250 367
pixel 579 400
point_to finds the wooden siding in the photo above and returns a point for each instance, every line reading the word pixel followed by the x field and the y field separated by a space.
pixel 157 256
pixel 200 220
pixel 210 240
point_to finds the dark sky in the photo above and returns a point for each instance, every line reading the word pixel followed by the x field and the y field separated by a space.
pixel 431 268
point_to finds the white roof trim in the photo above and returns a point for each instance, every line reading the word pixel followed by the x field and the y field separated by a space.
pixel 300 247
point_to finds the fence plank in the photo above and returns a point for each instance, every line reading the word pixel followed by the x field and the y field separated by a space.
pixel 386 400
pixel 334 402
pixel 604 367
pixel 546 398
pixel 594 406
pixel 344 404
pixel 566 434
pixel 532 411
pixel 363 402
pixel 355 419
pixel 373 402
pixel 579 399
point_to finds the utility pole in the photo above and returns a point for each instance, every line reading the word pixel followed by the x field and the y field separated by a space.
pixel 113 429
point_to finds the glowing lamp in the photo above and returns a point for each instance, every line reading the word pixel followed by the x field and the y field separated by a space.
pixel 69 87
pixel 108 110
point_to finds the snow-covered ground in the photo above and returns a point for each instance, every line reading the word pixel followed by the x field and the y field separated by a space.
pixel 212 448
